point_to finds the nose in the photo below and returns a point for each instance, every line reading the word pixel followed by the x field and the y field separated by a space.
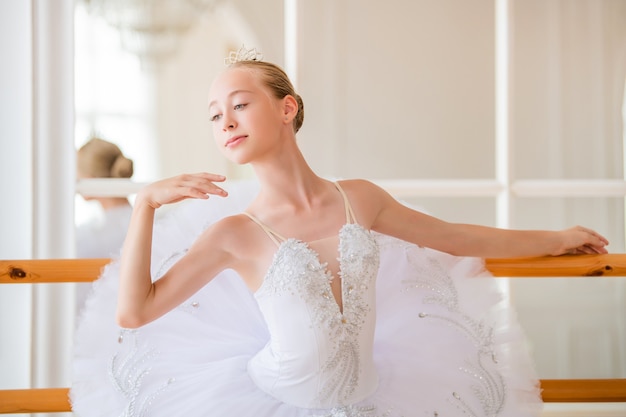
pixel 228 123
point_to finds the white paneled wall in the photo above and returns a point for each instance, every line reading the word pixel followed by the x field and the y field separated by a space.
pixel 15 180
pixel 37 174
pixel 407 89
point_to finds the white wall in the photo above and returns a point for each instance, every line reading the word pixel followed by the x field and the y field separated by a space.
pixel 184 130
pixel 37 175
pixel 406 89
pixel 570 70
pixel 397 97
pixel 16 181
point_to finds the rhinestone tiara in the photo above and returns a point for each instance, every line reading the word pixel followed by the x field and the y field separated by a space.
pixel 243 54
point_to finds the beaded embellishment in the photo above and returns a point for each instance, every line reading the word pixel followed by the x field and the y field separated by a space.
pixel 355 411
pixel 127 373
pixel 489 387
pixel 297 269
pixel 130 365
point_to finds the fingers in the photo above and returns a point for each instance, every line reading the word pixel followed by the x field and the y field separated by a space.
pixel 201 184
pixel 594 249
pixel 590 242
pixel 209 177
pixel 596 242
pixel 589 250
pixel 602 239
pixel 181 187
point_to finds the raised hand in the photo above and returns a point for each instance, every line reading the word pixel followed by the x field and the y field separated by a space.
pixel 181 187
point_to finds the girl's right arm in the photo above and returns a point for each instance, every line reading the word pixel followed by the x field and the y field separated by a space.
pixel 140 300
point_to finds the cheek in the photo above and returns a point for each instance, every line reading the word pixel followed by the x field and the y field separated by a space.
pixel 216 133
pixel 265 123
pixel 219 140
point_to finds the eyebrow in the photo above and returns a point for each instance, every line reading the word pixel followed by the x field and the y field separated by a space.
pixel 232 93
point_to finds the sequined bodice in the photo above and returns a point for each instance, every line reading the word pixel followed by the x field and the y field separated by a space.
pixel 319 356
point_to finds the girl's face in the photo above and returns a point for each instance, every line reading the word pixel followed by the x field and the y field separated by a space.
pixel 247 119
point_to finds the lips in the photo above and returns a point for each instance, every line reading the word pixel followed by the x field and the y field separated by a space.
pixel 235 140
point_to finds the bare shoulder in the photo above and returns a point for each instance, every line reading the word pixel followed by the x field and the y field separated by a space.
pixel 221 246
pixel 231 225
pixel 360 187
pixel 243 245
pixel 233 233
pixel 366 199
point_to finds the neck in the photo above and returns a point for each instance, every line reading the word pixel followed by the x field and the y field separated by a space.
pixel 286 178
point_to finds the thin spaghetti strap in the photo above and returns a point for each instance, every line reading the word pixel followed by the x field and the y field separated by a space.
pixel 276 238
pixel 350 217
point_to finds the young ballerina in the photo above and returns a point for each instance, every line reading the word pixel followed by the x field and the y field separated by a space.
pixel 311 298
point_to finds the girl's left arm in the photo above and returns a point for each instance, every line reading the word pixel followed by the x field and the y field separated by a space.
pixel 390 217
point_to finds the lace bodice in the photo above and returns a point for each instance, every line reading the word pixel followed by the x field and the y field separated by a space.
pixel 319 356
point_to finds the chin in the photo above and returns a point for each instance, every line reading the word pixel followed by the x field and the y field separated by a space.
pixel 237 159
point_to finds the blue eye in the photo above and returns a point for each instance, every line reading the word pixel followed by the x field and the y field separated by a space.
pixel 239 106
pixel 215 118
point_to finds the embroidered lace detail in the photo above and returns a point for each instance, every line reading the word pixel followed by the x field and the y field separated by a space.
pixel 297 270
pixel 355 411
pixel 489 387
pixel 127 373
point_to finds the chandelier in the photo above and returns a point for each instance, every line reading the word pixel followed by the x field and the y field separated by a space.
pixel 151 28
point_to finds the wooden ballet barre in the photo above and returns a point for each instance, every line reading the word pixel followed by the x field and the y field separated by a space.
pixel 35 271
pixel 86 270
pixel 35 400
pixel 583 390
pixel 609 265
pixel 41 400
pixel 554 391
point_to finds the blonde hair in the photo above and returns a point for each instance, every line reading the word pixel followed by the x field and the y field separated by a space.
pixel 101 159
pixel 278 82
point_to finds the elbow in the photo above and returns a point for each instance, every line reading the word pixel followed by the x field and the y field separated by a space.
pixel 128 321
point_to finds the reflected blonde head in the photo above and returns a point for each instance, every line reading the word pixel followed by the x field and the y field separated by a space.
pixel 101 159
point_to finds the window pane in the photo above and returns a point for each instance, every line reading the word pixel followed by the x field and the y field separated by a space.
pixel 568 88
pixel 413 102
pixel 577 326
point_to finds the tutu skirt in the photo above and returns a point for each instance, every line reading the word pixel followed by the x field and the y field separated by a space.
pixel 446 343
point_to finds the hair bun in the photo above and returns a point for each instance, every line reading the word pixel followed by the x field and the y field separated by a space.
pixel 122 167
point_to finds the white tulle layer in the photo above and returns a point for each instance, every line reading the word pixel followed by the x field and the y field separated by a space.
pixel 445 345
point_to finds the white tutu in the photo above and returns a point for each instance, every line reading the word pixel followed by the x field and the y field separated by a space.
pixel 445 344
